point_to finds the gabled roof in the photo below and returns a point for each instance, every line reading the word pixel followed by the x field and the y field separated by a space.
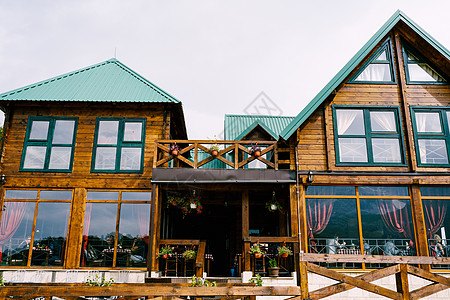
pixel 109 81
pixel 238 126
pixel 354 62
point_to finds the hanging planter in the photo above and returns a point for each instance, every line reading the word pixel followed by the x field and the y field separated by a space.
pixel 255 150
pixel 174 149
pixel 273 205
pixel 193 206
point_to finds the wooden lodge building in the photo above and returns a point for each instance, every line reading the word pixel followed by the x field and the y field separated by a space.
pixel 97 173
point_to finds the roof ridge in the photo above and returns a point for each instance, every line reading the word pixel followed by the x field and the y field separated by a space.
pixel 251 115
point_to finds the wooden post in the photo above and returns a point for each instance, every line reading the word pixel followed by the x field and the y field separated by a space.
pixel 295 226
pixel 304 279
pixel 419 223
pixel 401 280
pixel 246 229
pixel 154 229
pixel 75 233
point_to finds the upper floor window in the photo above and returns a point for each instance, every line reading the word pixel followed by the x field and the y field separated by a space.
pixel 418 70
pixel 378 68
pixel 368 136
pixel 119 145
pixel 49 144
pixel 432 135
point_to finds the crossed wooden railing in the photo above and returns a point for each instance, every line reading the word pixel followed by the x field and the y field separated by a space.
pixel 401 269
pixel 235 154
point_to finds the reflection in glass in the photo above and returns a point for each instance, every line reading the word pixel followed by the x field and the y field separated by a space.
pixel 433 151
pixel 39 130
pixel 133 132
pixel 441 191
pixel 130 158
pixel 105 158
pixel 35 157
pixel 100 195
pixel 60 158
pixel 330 190
pixel 383 191
pixel 386 150
pixel 107 132
pixel 133 235
pixel 352 150
pixel 97 248
pixel 428 122
pixel 50 235
pixel 55 195
pixel 21 194
pixel 63 133
pixel 15 236
pixel 350 122
pixel 137 196
pixel 437 224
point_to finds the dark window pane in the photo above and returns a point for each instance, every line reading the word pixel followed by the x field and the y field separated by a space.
pixel 21 194
pixel 383 191
pixel 55 195
pixel 437 225
pixel 330 190
pixel 435 191
pixel 136 196
pixel 50 235
pixel 17 225
pixel 98 195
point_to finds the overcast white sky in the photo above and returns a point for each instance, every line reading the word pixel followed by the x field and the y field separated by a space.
pixel 214 56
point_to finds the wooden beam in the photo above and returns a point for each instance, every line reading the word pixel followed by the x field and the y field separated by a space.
pixel 75 233
pixel 428 275
pixel 246 229
pixel 304 285
pixel 154 229
pixel 383 259
pixel 401 280
pixel 200 260
pixel 419 224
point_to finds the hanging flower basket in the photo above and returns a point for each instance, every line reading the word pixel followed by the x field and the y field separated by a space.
pixel 255 150
pixel 174 149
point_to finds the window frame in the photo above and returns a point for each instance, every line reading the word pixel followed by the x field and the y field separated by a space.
pixel 445 135
pixel 405 47
pixel 120 144
pixel 387 45
pixel 47 143
pixel 369 135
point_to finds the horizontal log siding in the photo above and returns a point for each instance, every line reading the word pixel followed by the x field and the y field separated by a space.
pixel 81 175
pixel 312 154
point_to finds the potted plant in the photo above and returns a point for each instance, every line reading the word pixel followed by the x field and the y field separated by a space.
pixel 256 250
pixel 214 150
pixel 174 200
pixel 284 251
pixel 274 271
pixel 273 205
pixel 174 149
pixel 192 204
pixel 255 150
pixel 165 252
pixel 189 254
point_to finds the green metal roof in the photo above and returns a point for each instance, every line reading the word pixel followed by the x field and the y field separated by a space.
pixel 353 63
pixel 238 126
pixel 109 81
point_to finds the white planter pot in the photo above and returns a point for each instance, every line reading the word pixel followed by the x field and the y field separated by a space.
pixel 273 207
pixel 193 206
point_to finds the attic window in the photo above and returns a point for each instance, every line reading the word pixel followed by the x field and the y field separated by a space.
pixel 378 69
pixel 418 70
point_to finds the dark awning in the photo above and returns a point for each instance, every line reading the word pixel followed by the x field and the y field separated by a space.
pixel 176 175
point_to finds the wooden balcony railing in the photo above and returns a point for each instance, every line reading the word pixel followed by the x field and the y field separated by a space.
pixel 232 154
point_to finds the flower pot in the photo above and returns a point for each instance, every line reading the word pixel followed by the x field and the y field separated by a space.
pixel 193 206
pixel 165 256
pixel 284 255
pixel 274 272
pixel 214 153
pixel 174 203
pixel 258 255
pixel 257 153
pixel 175 152
pixel 273 207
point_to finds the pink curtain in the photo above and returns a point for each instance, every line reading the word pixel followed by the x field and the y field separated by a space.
pixel 318 213
pixel 434 212
pixel 86 224
pixel 143 219
pixel 11 219
pixel 396 217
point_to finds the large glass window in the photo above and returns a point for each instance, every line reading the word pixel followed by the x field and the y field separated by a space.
pixel 49 144
pixel 333 226
pixel 104 245
pixel 119 145
pixel 26 241
pixel 418 70
pixel 432 135
pixel 368 136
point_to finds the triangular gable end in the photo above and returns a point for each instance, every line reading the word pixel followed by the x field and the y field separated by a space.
pixel 418 70
pixel 378 68
pixel 256 125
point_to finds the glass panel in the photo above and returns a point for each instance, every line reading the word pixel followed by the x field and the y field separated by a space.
pixel 107 132
pixel 376 72
pixel 39 130
pixel 352 150
pixel 448 119
pixel 133 132
pixel 437 223
pixel 97 195
pixel 60 158
pixel 435 191
pixel 386 150
pixel 433 151
pixel 382 56
pixel 410 56
pixel 35 157
pixel 383 121
pixel 17 225
pixel 63 133
pixel 350 122
pixel 332 227
pixel 105 158
pixel 136 196
pixel 55 195
pixel 21 194
pixel 383 191
pixel 330 190
pixel 130 158
pixel 97 248
pixel 133 235
pixel 423 72
pixel 387 227
pixel 428 122
pixel 50 235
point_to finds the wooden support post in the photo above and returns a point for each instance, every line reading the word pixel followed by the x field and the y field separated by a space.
pixel 401 279
pixel 246 229
pixel 294 209
pixel 154 229
pixel 419 223
pixel 304 279
pixel 75 233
